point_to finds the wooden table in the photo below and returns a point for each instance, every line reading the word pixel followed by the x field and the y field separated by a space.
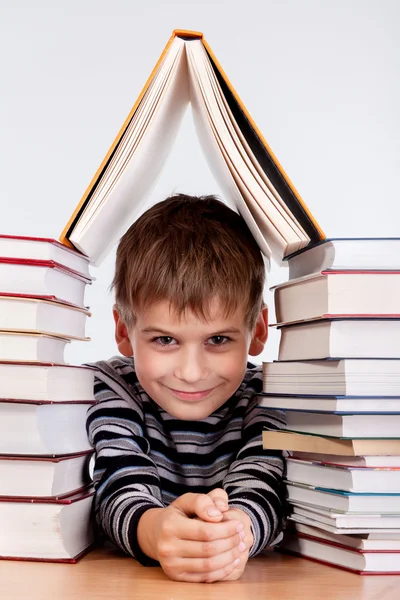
pixel 104 574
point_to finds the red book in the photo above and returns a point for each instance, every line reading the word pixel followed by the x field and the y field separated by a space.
pixel 59 530
pixel 47 249
pixel 355 560
pixel 45 476
pixel 42 278
pixel 42 314
pixel 338 293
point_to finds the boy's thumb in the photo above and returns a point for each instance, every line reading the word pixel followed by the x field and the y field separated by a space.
pixel 198 505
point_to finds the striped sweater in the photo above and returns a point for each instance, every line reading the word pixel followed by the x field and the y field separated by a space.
pixel 145 458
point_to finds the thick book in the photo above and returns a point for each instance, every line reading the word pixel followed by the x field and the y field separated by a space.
pixel 46 382
pixel 45 476
pixel 339 338
pixel 381 254
pixel 47 249
pixel 59 530
pixel 346 522
pixel 349 479
pixel 344 425
pixel 338 293
pixel 357 561
pixel 42 278
pixel 43 428
pixel 245 167
pixel 42 315
pixel 31 347
pixel 340 501
pixel 348 376
pixel 328 404
pixel 368 542
pixel 287 440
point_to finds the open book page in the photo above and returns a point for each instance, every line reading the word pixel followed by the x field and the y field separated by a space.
pixel 270 216
pixel 243 147
pixel 126 183
pixel 261 189
pixel 216 162
pixel 220 138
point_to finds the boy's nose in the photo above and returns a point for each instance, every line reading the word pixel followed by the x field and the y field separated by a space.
pixel 191 366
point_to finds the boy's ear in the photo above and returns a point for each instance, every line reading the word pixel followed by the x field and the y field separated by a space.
pixel 260 334
pixel 121 335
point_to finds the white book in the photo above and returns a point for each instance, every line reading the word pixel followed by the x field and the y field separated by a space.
pixel 43 429
pixel 359 527
pixel 344 425
pixel 42 279
pixel 388 524
pixel 388 461
pixel 338 293
pixel 38 315
pixel 252 180
pixel 346 254
pixel 350 560
pixel 45 477
pixel 46 249
pixel 342 404
pixel 363 541
pixel 345 377
pixel 337 500
pixel 49 530
pixel 31 347
pixel 349 479
pixel 340 338
pixel 46 382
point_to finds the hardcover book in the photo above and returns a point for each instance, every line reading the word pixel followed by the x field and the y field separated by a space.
pixel 252 179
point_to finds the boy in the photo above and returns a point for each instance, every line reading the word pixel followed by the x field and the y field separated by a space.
pixel 181 477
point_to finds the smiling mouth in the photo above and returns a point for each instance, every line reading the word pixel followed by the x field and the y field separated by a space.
pixel 191 395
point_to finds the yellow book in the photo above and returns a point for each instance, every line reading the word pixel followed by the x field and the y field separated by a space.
pixel 250 176
pixel 317 444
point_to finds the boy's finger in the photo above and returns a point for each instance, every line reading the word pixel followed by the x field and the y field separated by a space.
pixel 200 549
pixel 198 505
pixel 201 531
pixel 229 560
pixel 220 498
pixel 211 576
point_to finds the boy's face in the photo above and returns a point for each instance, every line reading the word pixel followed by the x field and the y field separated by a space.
pixel 187 366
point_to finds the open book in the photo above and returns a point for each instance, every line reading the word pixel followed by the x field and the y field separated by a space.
pixel 251 178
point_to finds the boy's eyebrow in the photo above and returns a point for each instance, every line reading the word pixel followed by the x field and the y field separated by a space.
pixel 153 330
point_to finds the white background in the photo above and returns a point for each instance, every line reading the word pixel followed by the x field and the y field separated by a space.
pixel 320 78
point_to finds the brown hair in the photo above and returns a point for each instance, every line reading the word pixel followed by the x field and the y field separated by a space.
pixel 189 250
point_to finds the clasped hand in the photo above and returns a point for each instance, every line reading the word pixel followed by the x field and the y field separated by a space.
pixel 198 538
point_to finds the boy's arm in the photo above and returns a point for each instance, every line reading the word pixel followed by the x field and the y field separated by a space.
pixel 254 482
pixel 126 479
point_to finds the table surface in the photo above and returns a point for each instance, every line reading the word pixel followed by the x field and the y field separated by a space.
pixel 104 574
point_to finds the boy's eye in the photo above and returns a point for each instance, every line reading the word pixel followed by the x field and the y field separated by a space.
pixel 219 340
pixel 164 340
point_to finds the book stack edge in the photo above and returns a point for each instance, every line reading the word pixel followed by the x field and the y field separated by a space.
pixel 337 378
pixel 45 482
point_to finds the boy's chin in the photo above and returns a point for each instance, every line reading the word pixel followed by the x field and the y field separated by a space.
pixel 194 411
pixel 191 414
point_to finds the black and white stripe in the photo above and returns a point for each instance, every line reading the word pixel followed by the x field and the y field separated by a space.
pixel 146 458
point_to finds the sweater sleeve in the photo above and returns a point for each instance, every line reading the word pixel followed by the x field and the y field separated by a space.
pixel 254 482
pixel 125 477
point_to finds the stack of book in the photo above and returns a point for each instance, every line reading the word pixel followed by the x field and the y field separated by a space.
pixel 45 493
pixel 338 379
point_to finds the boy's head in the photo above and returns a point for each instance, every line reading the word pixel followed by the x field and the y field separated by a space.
pixel 189 284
